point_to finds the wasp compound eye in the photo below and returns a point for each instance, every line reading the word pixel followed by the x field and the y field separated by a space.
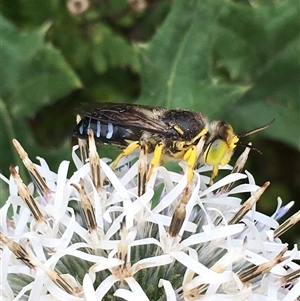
pixel 215 152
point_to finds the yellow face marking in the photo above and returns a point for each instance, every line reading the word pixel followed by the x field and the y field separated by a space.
pixel 232 138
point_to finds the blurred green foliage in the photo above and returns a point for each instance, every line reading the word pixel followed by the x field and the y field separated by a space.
pixel 235 60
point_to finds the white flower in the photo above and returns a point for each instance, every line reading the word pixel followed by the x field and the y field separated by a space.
pixel 93 238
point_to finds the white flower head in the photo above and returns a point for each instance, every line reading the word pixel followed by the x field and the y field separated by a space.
pixel 91 237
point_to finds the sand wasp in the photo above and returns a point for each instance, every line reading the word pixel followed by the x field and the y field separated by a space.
pixel 170 134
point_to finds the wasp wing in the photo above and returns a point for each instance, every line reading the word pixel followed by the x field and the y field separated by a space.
pixel 127 115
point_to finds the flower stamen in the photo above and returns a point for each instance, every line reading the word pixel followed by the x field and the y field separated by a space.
pixel 94 161
pixel 287 224
pixel 38 180
pixel 248 204
pixel 26 195
pixel 263 268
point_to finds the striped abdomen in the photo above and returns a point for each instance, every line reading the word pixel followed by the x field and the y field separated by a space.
pixel 105 132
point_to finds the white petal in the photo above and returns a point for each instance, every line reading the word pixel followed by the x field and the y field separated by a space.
pixel 151 262
pixel 13 189
pixel 105 286
pixel 5 179
pixel 265 220
pixel 3 218
pixel 216 233
pixel 59 201
pixel 294 293
pixel 145 241
pixel 189 274
pixel 82 172
pixel 244 188
pixel 168 177
pixel 105 263
pixel 58 293
pixel 115 227
pixel 169 291
pixel 208 276
pixel 171 196
pixel 72 250
pixel 128 295
pixel 222 182
pixel 22 220
pixel 191 203
pixel 113 179
pixel 106 214
pixel 50 176
pixel 130 174
pixel 88 289
pixel 25 289
pixel 254 245
pixel 77 161
pixel 136 289
pixel 37 285
pixel 128 211
pixel 222 200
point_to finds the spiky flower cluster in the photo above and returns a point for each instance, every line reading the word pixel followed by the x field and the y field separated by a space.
pixel 91 237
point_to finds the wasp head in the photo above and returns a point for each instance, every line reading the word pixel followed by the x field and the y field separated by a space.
pixel 220 142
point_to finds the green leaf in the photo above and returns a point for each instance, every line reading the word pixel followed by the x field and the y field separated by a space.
pixel 286 127
pixel 226 59
pixel 111 50
pixel 271 66
pixel 33 73
pixel 177 65
pixel 42 81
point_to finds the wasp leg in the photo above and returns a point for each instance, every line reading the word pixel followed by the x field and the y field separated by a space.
pixel 191 159
pixel 180 211
pixel 202 133
pixel 214 173
pixel 142 163
pixel 156 159
pixel 127 151
pixel 142 169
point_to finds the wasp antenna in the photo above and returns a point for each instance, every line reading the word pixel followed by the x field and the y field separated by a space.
pixel 250 146
pixel 257 129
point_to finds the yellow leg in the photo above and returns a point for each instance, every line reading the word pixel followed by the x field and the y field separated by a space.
pixel 202 133
pixel 191 158
pixel 214 173
pixel 127 151
pixel 156 159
